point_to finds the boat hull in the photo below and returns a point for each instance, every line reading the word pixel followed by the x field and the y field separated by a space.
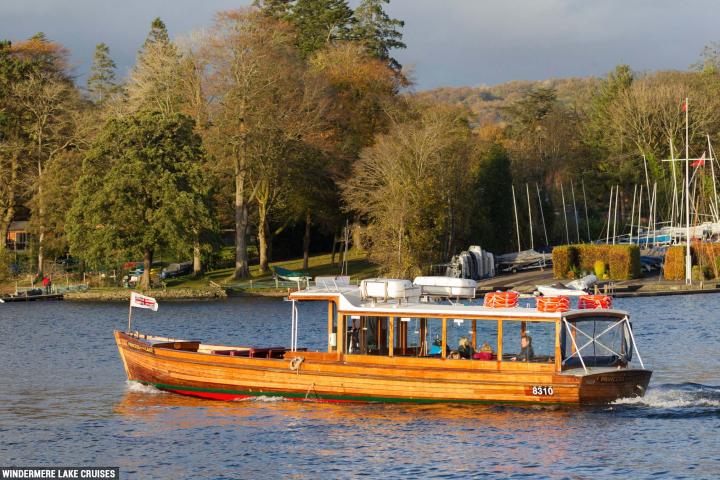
pixel 316 376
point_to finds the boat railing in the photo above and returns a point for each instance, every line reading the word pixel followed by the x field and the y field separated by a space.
pixel 332 284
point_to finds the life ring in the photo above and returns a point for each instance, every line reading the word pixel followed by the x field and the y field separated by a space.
pixel 553 304
pixel 595 301
pixel 295 363
pixel 501 299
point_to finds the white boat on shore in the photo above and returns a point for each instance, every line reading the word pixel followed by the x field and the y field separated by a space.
pixel 575 288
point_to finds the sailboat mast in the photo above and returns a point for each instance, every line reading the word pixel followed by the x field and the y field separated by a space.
pixel 632 215
pixel 567 234
pixel 609 219
pixel 587 219
pixel 542 215
pixel 517 223
pixel 577 224
pixel 653 211
pixel 639 211
pixel 532 239
pixel 674 208
pixel 617 194
pixel 688 264
pixel 647 177
pixel 712 173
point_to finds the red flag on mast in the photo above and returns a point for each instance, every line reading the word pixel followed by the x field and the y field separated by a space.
pixel 684 107
pixel 700 162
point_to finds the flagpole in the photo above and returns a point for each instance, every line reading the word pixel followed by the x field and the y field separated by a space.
pixel 129 316
pixel 688 264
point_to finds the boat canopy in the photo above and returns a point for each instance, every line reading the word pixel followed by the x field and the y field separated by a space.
pixel 353 300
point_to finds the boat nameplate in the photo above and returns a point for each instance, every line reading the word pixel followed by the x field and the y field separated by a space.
pixel 138 346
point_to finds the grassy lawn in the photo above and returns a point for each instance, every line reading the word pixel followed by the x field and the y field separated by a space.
pixel 358 268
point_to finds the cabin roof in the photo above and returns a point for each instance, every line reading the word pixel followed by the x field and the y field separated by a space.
pixel 350 302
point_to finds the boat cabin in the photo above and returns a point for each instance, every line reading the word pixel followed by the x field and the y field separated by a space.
pixel 399 322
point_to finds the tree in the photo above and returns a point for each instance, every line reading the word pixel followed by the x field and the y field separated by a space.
pixel 46 105
pixel 12 138
pixel 154 83
pixel 265 106
pixel 158 34
pixel 278 9
pixel 138 191
pixel 101 81
pixel 709 62
pixel 377 32
pixel 319 22
pixel 167 78
pixel 492 221
pixel 399 185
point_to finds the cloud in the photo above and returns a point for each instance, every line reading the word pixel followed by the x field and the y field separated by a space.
pixel 450 42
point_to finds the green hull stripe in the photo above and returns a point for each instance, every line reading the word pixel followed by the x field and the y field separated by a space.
pixel 346 398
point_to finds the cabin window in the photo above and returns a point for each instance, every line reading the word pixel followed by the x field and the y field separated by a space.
pixel 540 348
pixel 332 327
pixel 602 342
pixel 367 335
pixel 461 332
pixel 410 336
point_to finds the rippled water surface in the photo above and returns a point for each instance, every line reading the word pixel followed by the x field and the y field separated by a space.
pixel 64 400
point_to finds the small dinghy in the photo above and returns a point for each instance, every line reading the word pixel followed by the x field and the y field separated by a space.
pixel 571 289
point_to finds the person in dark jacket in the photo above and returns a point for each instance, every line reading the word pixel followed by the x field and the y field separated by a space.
pixel 465 348
pixel 526 349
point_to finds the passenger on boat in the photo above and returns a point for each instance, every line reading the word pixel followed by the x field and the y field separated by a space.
pixel 485 353
pixel 526 349
pixel 465 348
pixel 354 331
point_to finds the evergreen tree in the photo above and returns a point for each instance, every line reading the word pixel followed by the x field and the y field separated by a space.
pixel 101 82
pixel 158 33
pixel 140 190
pixel 274 8
pixel 319 22
pixel 157 79
pixel 492 226
pixel 377 31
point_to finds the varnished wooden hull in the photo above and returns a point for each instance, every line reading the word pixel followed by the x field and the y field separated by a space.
pixel 356 378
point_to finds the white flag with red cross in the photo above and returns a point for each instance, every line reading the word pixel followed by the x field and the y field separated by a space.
pixel 142 301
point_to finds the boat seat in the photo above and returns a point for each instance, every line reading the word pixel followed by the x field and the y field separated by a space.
pixel 253 352
pixel 231 353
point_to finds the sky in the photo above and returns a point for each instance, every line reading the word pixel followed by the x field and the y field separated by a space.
pixel 449 42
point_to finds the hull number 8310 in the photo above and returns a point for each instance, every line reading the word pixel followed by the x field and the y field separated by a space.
pixel 542 390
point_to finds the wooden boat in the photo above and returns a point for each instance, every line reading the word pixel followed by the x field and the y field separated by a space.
pixel 378 351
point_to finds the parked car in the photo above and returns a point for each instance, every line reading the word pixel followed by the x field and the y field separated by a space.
pixel 176 270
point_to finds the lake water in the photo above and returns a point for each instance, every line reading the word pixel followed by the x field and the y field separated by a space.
pixel 64 400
